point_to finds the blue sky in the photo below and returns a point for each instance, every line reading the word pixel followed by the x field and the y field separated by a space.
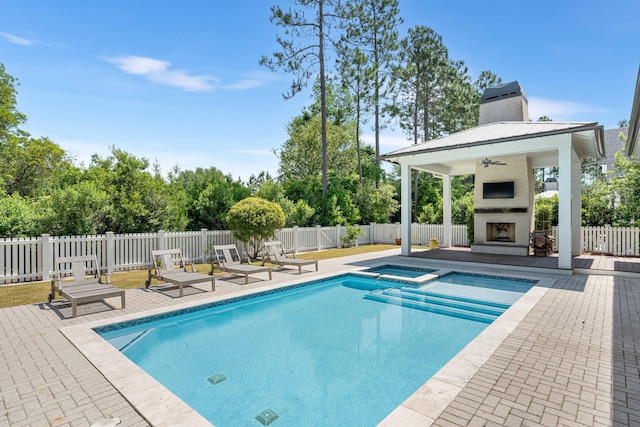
pixel 179 82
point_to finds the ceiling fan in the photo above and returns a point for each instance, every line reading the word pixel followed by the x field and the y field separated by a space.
pixel 486 162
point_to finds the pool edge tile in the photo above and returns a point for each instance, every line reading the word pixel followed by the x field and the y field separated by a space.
pixel 457 373
pixel 404 416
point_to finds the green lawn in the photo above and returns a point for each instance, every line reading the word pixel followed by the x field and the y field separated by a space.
pixel 36 292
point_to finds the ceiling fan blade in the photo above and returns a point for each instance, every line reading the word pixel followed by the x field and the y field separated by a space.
pixel 486 162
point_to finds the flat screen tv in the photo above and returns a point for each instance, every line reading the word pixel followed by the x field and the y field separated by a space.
pixel 497 190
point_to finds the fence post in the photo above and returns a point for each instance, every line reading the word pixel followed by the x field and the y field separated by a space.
pixel 319 237
pixel 205 248
pixel 372 233
pixel 294 239
pixel 111 251
pixel 47 257
pixel 160 243
pixel 338 231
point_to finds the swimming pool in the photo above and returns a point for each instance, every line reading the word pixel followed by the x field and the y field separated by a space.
pixel 320 354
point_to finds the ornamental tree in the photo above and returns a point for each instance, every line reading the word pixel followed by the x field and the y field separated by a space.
pixel 253 220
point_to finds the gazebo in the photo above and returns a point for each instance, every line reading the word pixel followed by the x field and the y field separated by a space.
pixel 502 152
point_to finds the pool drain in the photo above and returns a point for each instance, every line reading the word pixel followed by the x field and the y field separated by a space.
pixel 217 378
pixel 267 416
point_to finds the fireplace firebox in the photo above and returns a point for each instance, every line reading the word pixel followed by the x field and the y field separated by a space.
pixel 501 232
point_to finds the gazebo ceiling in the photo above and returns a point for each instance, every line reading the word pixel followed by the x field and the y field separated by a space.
pixel 459 153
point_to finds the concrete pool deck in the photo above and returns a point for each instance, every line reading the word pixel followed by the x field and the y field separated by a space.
pixel 572 358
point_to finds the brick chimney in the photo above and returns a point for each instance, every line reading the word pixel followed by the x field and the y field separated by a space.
pixel 504 103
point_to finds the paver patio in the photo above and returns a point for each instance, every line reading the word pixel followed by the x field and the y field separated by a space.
pixel 573 360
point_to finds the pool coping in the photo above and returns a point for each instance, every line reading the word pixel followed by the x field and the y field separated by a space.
pixel 160 407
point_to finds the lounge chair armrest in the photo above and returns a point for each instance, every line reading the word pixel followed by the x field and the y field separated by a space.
pixel 193 267
pixel 107 277
pixel 214 263
pixel 102 271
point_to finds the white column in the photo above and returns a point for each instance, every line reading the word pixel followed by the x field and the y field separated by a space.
pixel 564 205
pixel 576 203
pixel 405 209
pixel 446 210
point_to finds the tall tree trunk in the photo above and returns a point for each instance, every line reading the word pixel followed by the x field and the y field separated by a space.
pixel 377 100
pixel 377 127
pixel 358 140
pixel 415 141
pixel 323 98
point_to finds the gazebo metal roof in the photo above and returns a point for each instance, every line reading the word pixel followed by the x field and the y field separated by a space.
pixel 457 153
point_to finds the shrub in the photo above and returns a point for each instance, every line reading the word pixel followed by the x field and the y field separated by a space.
pixel 254 220
pixel 351 235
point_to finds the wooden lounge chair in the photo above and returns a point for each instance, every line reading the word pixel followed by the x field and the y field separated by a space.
pixel 228 259
pixel 277 255
pixel 79 280
pixel 169 267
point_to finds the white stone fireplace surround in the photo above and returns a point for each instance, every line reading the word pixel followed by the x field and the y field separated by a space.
pixel 503 225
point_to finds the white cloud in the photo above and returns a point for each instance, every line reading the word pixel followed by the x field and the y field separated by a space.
pixel 158 71
pixel 561 110
pixel 251 80
pixel 389 141
pixel 16 40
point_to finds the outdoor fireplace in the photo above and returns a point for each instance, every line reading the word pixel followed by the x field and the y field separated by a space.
pixel 501 232
pixel 503 206
pixel 504 190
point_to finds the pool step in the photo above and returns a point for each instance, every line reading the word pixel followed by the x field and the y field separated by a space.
pixel 419 291
pixel 444 300
pixel 439 305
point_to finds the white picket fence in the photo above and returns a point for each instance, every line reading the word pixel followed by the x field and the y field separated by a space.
pixel 32 259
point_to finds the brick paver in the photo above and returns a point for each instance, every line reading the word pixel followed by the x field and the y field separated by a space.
pixel 573 360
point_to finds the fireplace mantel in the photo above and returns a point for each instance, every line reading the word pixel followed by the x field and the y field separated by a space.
pixel 500 210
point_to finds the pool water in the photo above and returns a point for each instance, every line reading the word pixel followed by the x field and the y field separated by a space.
pixel 399 270
pixel 321 354
pixel 489 288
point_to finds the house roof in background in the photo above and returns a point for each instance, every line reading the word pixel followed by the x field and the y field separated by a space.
pixel 612 144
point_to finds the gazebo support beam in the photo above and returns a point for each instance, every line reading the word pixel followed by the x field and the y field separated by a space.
pixel 446 210
pixel 405 210
pixel 576 203
pixel 565 215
